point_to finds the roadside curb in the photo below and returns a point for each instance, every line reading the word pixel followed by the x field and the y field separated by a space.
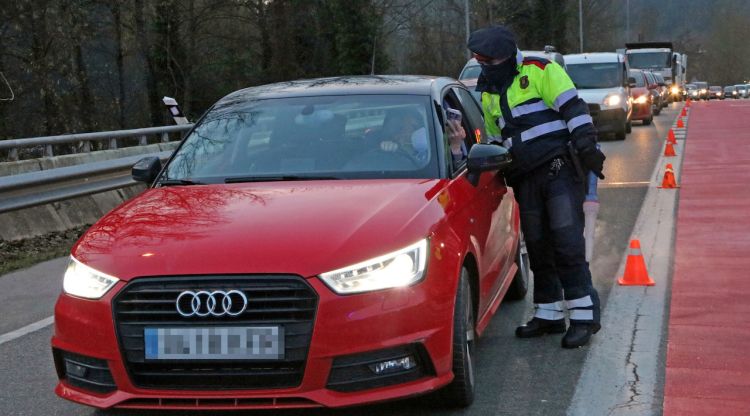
pixel 624 368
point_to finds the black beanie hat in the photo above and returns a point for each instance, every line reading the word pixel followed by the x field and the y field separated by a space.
pixel 495 42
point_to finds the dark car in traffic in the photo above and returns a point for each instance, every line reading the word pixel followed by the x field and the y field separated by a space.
pixel 730 91
pixel 284 258
pixel 715 92
pixel 702 87
pixel 655 91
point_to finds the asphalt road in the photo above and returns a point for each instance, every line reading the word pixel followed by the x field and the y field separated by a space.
pixel 530 377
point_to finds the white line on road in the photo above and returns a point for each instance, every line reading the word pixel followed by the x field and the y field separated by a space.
pixel 623 184
pixel 18 333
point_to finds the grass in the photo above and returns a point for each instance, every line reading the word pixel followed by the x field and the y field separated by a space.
pixel 19 254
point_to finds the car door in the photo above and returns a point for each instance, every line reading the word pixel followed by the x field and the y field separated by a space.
pixel 491 209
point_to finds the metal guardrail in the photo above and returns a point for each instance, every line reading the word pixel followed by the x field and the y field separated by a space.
pixel 36 188
pixel 86 138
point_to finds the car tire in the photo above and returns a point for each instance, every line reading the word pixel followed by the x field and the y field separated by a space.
pixel 647 121
pixel 520 284
pixel 657 110
pixel 629 127
pixel 460 392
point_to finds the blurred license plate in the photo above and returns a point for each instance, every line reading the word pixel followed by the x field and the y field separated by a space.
pixel 214 343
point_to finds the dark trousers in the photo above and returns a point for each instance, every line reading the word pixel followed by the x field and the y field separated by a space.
pixel 551 203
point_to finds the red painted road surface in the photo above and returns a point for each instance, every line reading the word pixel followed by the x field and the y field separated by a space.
pixel 708 352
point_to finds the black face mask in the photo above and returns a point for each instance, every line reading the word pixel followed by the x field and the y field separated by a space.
pixel 498 75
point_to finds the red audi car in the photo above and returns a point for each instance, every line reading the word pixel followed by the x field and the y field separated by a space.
pixel 285 257
pixel 641 98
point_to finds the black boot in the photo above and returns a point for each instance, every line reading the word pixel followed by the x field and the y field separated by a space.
pixel 579 335
pixel 537 327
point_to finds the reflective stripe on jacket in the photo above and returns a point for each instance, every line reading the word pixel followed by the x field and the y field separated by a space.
pixel 538 112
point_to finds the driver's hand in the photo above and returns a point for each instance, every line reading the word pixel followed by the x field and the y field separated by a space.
pixel 456 134
pixel 388 146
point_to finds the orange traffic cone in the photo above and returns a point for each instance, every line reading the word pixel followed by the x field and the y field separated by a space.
pixel 669 150
pixel 687 103
pixel 684 112
pixel 635 268
pixel 668 181
pixel 670 137
pixel 680 124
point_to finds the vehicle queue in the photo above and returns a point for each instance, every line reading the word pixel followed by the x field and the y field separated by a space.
pixel 617 93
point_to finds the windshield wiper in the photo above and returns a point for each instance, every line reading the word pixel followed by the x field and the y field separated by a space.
pixel 174 182
pixel 237 179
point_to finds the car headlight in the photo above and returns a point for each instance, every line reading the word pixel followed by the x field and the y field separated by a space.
pixel 641 100
pixel 703 91
pixel 83 281
pixel 675 90
pixel 612 100
pixel 734 92
pixel 397 269
pixel 694 93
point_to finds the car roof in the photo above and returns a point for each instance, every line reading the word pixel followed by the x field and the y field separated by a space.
pixel 346 85
pixel 593 57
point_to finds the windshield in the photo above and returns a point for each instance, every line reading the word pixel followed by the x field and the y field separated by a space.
pixel 649 60
pixel 470 72
pixel 728 89
pixel 325 137
pixel 588 76
pixel 715 89
pixel 639 80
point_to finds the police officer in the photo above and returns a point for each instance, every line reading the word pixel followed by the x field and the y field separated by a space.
pixel 532 106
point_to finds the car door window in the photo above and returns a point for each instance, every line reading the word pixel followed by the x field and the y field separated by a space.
pixel 451 101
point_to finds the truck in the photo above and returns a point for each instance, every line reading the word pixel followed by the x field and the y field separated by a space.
pixel 660 57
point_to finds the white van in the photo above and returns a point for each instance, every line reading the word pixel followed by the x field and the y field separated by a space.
pixel 602 81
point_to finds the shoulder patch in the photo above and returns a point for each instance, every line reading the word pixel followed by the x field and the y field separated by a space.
pixel 533 60
pixel 524 81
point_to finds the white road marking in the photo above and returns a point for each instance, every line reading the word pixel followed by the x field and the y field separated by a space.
pixel 18 333
pixel 622 184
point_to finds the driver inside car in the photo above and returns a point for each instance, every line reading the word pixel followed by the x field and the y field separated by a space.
pixel 404 131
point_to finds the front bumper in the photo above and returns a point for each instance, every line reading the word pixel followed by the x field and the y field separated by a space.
pixel 344 326
pixel 608 120
pixel 641 111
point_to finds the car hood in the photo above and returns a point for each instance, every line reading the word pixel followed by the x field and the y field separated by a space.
pixel 638 91
pixel 303 228
pixel 597 95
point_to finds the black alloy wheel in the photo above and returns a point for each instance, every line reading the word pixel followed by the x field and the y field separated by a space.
pixel 460 392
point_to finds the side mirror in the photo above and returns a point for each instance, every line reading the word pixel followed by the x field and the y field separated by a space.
pixel 486 157
pixel 146 169
pixel 631 82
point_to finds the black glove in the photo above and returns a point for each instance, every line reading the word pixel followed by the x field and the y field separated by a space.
pixel 594 160
pixel 590 156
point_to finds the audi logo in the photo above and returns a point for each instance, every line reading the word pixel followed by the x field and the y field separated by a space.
pixel 215 303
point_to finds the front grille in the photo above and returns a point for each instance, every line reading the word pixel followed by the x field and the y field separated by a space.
pixel 286 301
pixel 84 372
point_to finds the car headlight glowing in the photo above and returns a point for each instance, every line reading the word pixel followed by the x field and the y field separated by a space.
pixel 641 100
pixel 734 92
pixel 694 93
pixel 703 91
pixel 83 281
pixel 675 90
pixel 612 100
pixel 396 269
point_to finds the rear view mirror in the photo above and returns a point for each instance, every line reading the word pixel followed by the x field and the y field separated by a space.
pixel 631 82
pixel 487 157
pixel 146 169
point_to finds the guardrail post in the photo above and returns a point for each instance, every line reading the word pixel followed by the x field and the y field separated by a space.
pixel 85 146
pixel 48 151
pixel 165 137
pixel 112 144
pixel 13 154
pixel 143 140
